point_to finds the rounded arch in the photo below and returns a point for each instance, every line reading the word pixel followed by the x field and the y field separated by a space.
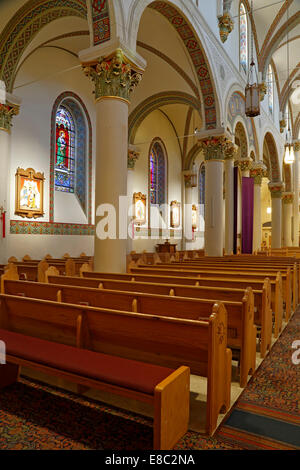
pixel 25 25
pixel 240 137
pixel 270 152
pixel 191 157
pixel 177 13
pixel 77 107
pixel 154 102
pixel 157 174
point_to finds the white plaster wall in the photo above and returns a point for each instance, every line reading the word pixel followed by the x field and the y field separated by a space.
pixel 156 125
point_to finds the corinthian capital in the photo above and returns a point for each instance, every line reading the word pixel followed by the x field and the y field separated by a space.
pixel 258 171
pixel 7 111
pixel 133 156
pixel 276 189
pixel 113 76
pixel 214 147
pixel 297 146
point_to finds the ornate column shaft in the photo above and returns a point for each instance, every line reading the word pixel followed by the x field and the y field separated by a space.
pixel 229 155
pixel 7 111
pixel 214 148
pixel 257 172
pixel 287 200
pixel 114 77
pixel 296 195
pixel 276 190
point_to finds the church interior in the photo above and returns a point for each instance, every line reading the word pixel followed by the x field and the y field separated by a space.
pixel 149 225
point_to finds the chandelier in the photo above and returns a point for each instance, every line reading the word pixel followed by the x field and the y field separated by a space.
pixel 252 90
pixel 289 155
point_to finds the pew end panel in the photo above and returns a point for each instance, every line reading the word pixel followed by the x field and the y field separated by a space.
pixel 248 350
pixel 171 409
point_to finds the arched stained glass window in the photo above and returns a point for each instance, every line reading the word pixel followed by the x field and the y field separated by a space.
pixel 65 144
pixel 270 87
pixel 243 38
pixel 157 174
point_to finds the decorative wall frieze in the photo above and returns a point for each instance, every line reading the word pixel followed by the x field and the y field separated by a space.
pixel 287 197
pixel 113 76
pixel 7 112
pixel 258 171
pixel 18 227
pixel 276 189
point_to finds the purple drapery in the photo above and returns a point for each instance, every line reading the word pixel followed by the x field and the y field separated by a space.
pixel 247 214
pixel 235 208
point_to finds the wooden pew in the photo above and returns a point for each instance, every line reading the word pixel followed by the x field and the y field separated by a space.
pixel 211 273
pixel 228 282
pixel 262 297
pixel 241 329
pixel 161 387
pixel 168 342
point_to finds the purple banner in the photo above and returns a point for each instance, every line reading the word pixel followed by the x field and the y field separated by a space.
pixel 247 214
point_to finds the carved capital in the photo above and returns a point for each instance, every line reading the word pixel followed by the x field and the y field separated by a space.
pixel 258 171
pixel 214 147
pixel 282 124
pixel 297 146
pixel 133 156
pixel 226 25
pixel 7 112
pixel 114 76
pixel 262 90
pixel 190 179
pixel 245 164
pixel 276 189
pixel 230 151
pixel 287 198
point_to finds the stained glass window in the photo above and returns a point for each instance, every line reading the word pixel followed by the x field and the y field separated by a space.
pixel 243 38
pixel 270 86
pixel 64 151
pixel 157 175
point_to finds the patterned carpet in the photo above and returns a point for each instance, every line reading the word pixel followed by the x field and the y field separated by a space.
pixel 266 416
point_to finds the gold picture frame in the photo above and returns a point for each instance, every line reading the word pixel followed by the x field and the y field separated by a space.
pixel 175 214
pixel 29 193
pixel 194 217
pixel 140 207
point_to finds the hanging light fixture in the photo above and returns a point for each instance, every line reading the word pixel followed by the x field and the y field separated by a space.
pixel 252 90
pixel 289 155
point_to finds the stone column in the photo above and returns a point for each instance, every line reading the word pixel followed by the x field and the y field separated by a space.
pixel 115 76
pixel 276 189
pixel 287 200
pixel 257 172
pixel 133 156
pixel 229 155
pixel 7 111
pixel 214 147
pixel 296 195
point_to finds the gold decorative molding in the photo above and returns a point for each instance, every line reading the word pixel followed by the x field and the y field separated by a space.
pixel 113 76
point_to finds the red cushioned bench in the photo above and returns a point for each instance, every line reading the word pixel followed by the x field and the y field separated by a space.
pixel 166 389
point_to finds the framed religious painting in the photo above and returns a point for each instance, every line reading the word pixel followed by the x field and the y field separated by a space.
pixel 194 217
pixel 29 193
pixel 175 214
pixel 139 201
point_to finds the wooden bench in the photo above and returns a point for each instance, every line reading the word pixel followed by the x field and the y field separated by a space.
pixel 241 330
pixel 161 387
pixel 168 342
pixel 211 273
pixel 262 297
pixel 228 282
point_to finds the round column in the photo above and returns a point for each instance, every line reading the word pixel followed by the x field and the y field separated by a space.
pixel 114 78
pixel 257 172
pixel 214 149
pixel 296 195
pixel 7 111
pixel 287 200
pixel 229 156
pixel 188 202
pixel 276 195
